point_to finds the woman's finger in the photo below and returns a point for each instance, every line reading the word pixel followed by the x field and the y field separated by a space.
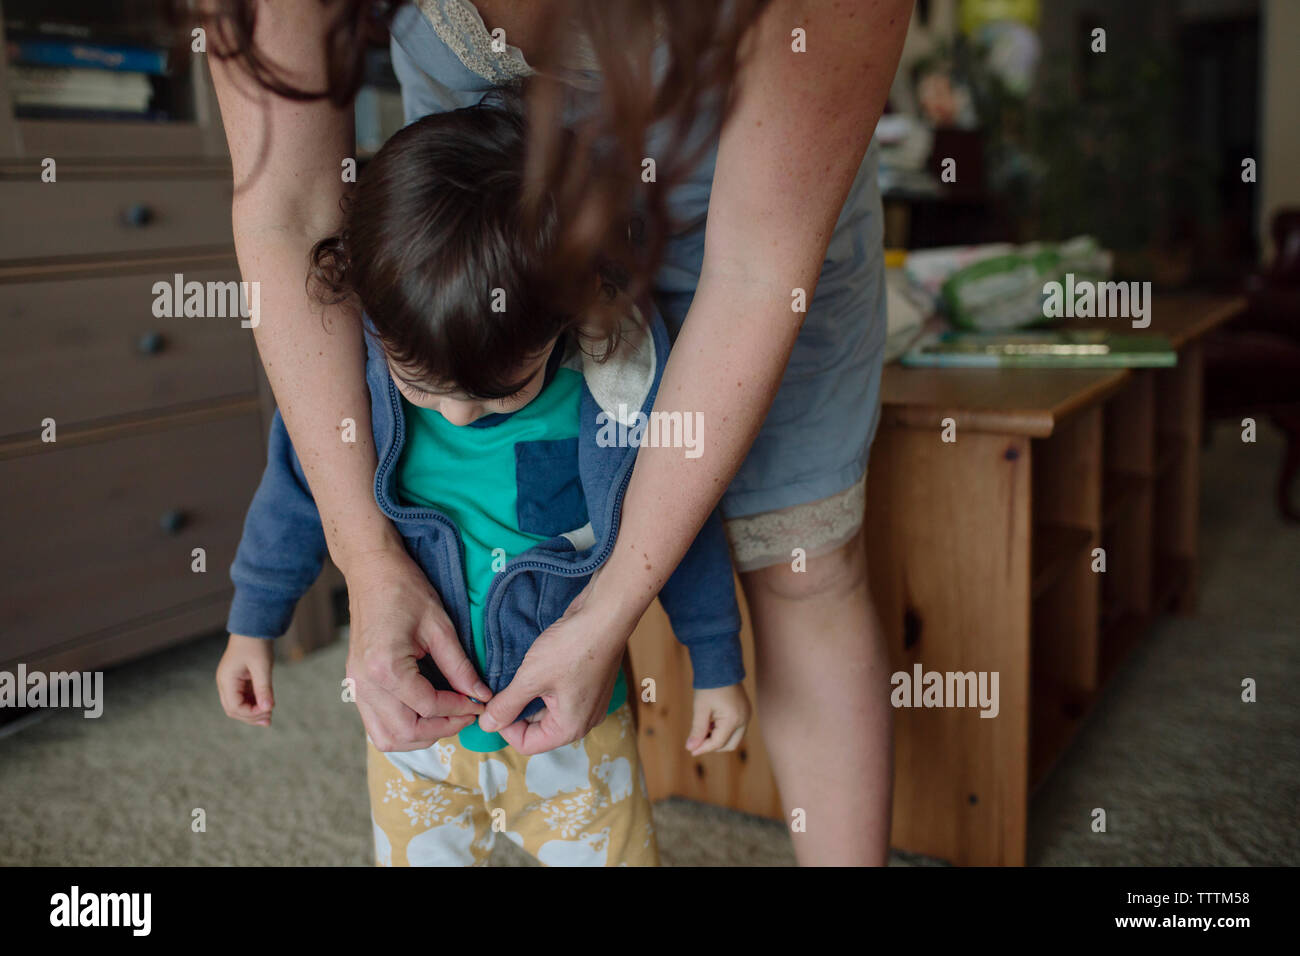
pixel 393 726
pixel 552 731
pixel 434 729
pixel 558 728
pixel 413 690
pixel 439 639
pixel 385 720
pixel 503 709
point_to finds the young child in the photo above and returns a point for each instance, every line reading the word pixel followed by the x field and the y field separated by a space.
pixel 488 403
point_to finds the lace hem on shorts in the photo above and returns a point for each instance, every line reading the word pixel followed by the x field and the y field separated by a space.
pixel 762 540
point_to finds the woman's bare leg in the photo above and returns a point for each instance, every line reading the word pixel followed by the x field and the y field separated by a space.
pixel 823 698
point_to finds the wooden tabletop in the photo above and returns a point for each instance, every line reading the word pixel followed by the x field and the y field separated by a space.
pixel 1030 401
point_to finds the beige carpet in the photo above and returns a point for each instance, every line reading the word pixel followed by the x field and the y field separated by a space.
pixel 1187 773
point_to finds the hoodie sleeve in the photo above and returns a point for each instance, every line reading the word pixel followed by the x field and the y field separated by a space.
pixel 700 598
pixel 283 546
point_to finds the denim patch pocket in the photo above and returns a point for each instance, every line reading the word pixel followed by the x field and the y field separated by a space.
pixel 551 501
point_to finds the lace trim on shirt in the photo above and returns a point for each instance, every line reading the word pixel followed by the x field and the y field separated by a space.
pixel 762 540
pixel 460 26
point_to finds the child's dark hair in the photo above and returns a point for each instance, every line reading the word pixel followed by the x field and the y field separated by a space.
pixel 434 245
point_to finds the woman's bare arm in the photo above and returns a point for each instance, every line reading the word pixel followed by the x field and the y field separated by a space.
pixel 288 183
pixel 287 159
pixel 786 159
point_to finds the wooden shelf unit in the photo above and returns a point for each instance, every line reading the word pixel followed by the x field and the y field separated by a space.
pixel 980 553
pixel 1067 491
pixel 1135 446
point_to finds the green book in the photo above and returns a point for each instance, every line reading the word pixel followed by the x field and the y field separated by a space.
pixel 1089 348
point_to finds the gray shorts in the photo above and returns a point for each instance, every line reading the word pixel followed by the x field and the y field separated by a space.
pixel 802 483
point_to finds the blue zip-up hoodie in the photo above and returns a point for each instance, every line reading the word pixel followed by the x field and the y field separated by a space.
pixel 283 545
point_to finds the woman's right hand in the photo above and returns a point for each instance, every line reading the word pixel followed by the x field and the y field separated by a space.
pixel 397 618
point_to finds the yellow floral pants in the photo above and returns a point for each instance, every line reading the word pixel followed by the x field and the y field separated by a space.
pixel 584 804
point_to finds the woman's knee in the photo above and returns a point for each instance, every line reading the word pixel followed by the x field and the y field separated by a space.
pixel 830 574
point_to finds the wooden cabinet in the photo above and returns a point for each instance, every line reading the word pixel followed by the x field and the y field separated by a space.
pixel 158 418
pixel 113 212
pixel 91 349
pixel 104 529
pixel 981 554
pixel 127 441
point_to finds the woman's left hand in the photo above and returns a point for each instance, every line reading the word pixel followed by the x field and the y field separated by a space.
pixel 572 667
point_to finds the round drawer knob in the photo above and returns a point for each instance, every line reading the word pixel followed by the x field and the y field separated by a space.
pixel 151 343
pixel 138 215
pixel 173 520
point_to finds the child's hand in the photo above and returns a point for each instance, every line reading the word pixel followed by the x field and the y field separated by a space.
pixel 721 714
pixel 244 680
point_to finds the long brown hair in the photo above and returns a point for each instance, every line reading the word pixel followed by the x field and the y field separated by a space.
pixel 605 210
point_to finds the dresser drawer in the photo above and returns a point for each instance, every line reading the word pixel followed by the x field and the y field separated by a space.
pixel 94 217
pixel 100 534
pixel 88 349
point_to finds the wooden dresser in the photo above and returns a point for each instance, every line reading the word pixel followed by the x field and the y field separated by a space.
pixel 159 422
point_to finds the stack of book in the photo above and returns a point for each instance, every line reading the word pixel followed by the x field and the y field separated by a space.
pixel 67 77
pixel 1086 348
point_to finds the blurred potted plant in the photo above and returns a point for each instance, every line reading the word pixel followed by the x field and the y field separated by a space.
pixel 1102 156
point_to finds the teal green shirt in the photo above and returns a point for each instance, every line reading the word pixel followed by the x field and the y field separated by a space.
pixel 468 473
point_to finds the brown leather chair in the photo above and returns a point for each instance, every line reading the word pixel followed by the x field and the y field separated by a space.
pixel 1252 365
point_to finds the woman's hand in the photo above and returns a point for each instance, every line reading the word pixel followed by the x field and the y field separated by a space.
pixel 397 618
pixel 572 667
